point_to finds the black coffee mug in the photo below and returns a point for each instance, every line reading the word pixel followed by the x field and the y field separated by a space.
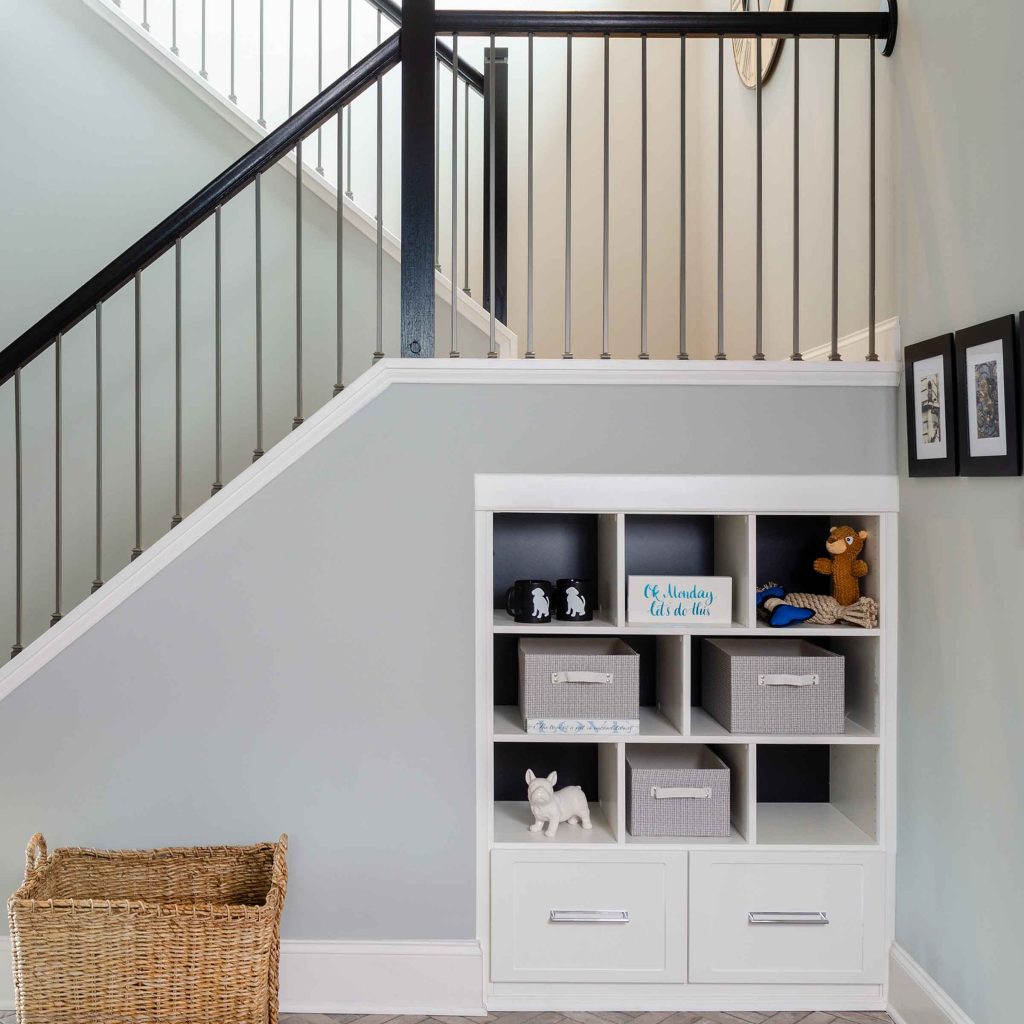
pixel 530 600
pixel 574 600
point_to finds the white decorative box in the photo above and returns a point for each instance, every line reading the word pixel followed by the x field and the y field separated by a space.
pixel 678 600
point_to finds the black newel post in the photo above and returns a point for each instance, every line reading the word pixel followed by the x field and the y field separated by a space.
pixel 418 178
pixel 496 63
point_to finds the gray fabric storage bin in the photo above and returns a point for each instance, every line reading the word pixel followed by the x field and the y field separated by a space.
pixel 579 686
pixel 784 686
pixel 676 791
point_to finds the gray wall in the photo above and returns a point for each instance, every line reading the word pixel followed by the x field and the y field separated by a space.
pixel 108 144
pixel 959 139
pixel 308 666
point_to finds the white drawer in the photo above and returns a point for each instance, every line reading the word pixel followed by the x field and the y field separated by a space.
pixel 559 915
pixel 754 917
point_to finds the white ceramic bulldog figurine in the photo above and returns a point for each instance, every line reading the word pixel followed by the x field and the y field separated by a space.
pixel 568 804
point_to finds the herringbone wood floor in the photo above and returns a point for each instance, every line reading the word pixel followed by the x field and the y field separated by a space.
pixel 736 1017
pixel 708 1017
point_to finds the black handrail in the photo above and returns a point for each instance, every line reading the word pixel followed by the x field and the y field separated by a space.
pixel 807 24
pixel 468 73
pixel 194 211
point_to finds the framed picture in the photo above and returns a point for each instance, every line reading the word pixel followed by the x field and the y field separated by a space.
pixel 931 407
pixel 989 402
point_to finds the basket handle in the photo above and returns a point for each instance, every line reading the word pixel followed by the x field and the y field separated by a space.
pixel 35 855
pixel 279 871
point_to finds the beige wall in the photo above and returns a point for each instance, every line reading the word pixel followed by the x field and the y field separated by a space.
pixel 664 199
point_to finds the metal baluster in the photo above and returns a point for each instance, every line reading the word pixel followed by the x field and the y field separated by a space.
pixel 137 550
pixel 455 196
pixel 145 14
pixel 348 117
pixel 465 190
pixel 319 80
pixel 437 163
pixel 258 450
pixel 58 494
pixel 834 355
pixel 291 56
pixel 174 27
pixel 18 513
pixel 529 201
pixel 231 94
pixel 379 352
pixel 218 377
pixel 605 213
pixel 721 200
pixel 339 235
pixel 492 344
pixel 98 579
pixel 202 40
pixel 759 240
pixel 796 356
pixel 567 349
pixel 872 352
pixel 682 199
pixel 262 120
pixel 176 518
pixel 643 198
pixel 378 27
pixel 297 421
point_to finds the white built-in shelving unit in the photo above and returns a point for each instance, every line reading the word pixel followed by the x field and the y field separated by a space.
pixel 812 816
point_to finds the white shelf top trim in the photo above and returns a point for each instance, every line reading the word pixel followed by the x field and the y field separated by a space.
pixel 738 494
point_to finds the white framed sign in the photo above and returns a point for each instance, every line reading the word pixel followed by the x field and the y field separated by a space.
pixel 677 600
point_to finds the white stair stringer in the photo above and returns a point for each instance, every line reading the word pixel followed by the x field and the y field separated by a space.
pixel 470 311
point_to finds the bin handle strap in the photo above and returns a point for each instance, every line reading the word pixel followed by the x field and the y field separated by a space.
pixel 681 792
pixel 35 855
pixel 581 677
pixel 768 679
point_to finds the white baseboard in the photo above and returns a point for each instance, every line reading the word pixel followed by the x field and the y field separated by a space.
pixel 362 977
pixel 915 997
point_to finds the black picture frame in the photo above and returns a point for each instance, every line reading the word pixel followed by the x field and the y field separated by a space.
pixel 931 407
pixel 988 422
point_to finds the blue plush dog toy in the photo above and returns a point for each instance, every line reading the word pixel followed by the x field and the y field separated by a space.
pixel 773 608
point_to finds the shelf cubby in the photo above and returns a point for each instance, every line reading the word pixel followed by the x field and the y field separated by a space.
pixel 861 652
pixel 740 760
pixel 691 545
pixel 786 547
pixel 817 794
pixel 592 766
pixel 552 546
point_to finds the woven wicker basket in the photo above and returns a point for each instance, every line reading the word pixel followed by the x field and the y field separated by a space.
pixel 174 936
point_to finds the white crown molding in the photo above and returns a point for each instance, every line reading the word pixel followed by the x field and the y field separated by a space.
pixel 915 997
pixel 469 309
pixel 437 978
pixel 492 372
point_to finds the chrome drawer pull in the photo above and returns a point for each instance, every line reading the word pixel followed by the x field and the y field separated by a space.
pixel 817 917
pixel 589 917
pixel 769 679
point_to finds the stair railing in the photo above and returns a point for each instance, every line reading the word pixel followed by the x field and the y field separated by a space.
pixel 416 47
pixel 128 272
pixel 865 29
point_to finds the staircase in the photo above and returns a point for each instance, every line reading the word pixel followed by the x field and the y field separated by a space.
pixel 289 267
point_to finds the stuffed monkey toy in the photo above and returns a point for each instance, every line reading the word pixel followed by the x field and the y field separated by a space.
pixel 844 544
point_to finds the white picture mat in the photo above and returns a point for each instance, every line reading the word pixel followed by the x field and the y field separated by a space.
pixel 985 447
pixel 935 365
